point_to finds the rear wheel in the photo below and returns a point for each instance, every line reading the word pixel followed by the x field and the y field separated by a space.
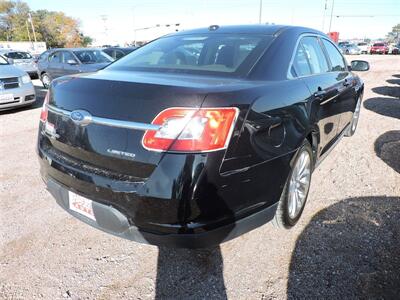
pixel 46 80
pixel 354 121
pixel 295 192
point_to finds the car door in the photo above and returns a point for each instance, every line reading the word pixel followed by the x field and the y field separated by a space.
pixel 310 64
pixel 347 99
pixel 70 63
pixel 55 67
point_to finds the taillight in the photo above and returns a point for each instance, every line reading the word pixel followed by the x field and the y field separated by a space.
pixel 191 129
pixel 44 111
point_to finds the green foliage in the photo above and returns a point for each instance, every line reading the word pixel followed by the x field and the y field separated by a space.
pixel 394 35
pixel 54 28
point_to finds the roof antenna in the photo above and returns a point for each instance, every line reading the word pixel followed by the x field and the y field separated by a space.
pixel 213 27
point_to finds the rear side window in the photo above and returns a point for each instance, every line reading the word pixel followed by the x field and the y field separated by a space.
pixel 300 65
pixel 197 54
pixel 337 61
pixel 315 55
pixel 68 56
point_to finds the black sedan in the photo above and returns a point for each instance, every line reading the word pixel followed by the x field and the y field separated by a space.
pixel 199 136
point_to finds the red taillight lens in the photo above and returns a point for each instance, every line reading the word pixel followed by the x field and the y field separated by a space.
pixel 44 111
pixel 191 129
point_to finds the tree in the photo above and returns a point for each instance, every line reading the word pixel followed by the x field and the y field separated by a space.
pixel 55 28
pixel 394 35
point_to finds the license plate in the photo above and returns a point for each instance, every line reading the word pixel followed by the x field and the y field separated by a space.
pixel 6 98
pixel 81 205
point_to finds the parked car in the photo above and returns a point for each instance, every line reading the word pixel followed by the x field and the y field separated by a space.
pixel 364 47
pixel 394 48
pixel 16 88
pixel 22 60
pixel 379 48
pixel 118 52
pixel 350 49
pixel 59 62
pixel 167 149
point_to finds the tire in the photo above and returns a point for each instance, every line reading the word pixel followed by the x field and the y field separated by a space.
pixel 46 80
pixel 286 216
pixel 354 121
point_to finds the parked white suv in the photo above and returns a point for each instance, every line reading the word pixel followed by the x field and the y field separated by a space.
pixel 364 47
pixel 16 88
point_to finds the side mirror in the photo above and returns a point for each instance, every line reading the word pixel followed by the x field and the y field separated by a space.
pixel 72 62
pixel 10 61
pixel 359 65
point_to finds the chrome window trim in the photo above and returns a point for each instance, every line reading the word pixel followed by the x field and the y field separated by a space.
pixel 320 37
pixel 108 122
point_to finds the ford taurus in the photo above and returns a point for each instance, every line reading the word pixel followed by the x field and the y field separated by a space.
pixel 199 136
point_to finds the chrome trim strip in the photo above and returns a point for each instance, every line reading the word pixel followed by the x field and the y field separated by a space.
pixel 328 100
pixel 108 122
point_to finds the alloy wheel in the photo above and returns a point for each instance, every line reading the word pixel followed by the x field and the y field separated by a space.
pixel 299 184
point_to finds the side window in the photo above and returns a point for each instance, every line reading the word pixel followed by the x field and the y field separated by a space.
pixel 119 54
pixel 55 57
pixel 68 56
pixel 335 57
pixel 300 65
pixel 315 55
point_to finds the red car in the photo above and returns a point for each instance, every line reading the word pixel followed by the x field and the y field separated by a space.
pixel 379 48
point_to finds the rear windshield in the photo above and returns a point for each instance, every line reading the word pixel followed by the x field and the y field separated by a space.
pixel 362 44
pixel 217 54
pixel 92 56
pixel 18 55
pixel 379 44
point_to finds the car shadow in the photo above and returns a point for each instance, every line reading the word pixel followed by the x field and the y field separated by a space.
pixel 389 107
pixel 190 274
pixel 393 81
pixel 387 148
pixel 350 250
pixel 392 91
pixel 40 94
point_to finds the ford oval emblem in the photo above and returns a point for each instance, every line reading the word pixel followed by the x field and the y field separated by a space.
pixel 81 117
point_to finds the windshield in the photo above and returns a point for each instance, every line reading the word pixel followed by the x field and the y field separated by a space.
pixel 18 55
pixel 379 45
pixel 197 54
pixel 3 61
pixel 92 57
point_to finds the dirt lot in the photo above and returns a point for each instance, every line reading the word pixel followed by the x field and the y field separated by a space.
pixel 347 244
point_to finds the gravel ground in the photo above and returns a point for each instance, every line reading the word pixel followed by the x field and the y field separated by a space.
pixel 347 244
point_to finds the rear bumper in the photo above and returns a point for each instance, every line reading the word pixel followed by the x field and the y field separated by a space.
pixel 112 221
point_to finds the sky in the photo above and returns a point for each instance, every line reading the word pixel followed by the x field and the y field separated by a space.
pixel 115 21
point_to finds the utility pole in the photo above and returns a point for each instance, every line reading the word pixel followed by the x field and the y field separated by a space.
pixel 330 22
pixel 260 12
pixel 33 27
pixel 104 18
pixel 323 18
pixel 27 29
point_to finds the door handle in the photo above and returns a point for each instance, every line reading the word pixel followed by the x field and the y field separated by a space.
pixel 346 82
pixel 320 95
